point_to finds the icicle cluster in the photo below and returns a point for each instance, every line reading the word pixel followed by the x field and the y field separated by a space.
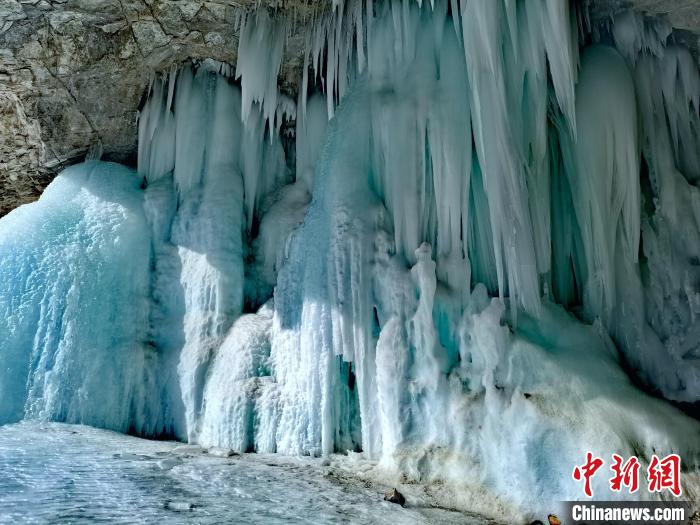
pixel 658 327
pixel 383 38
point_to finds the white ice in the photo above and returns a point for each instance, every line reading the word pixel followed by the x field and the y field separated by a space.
pixel 84 475
pixel 480 248
pixel 74 288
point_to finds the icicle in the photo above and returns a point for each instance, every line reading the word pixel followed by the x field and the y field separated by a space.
pixel 94 152
pixel 633 36
pixel 156 148
pixel 455 9
pixel 304 88
pixel 667 88
pixel 562 54
pixel 171 87
pixel 360 36
pixel 190 121
pixel 500 156
pixel 605 187
pixel 260 50
pixel 311 128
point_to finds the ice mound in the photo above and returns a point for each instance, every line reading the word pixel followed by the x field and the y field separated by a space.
pixel 74 292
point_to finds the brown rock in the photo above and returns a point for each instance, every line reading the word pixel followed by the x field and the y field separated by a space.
pixel 394 496
pixel 553 520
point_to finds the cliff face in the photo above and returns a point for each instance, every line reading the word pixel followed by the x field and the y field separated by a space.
pixel 73 72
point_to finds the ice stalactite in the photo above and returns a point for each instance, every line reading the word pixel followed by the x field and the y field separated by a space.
pixel 486 28
pixel 536 149
pixel 311 128
pixel 260 49
pixel 368 217
pixel 219 166
pixel 661 338
pixel 510 87
pixel 604 183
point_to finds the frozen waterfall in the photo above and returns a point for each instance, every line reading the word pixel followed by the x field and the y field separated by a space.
pixel 483 239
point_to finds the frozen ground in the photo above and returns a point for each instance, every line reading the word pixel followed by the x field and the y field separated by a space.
pixel 55 473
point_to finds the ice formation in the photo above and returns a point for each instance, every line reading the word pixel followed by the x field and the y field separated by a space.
pixel 482 243
pixel 74 273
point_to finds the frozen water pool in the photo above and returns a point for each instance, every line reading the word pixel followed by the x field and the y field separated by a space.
pixel 55 473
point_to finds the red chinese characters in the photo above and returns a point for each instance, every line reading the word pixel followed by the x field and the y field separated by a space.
pixel 626 474
pixel 665 474
pixel 662 474
pixel 587 471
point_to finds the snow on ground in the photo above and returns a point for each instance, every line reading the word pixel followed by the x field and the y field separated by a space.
pixel 57 473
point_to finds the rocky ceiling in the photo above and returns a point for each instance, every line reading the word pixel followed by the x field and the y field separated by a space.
pixel 73 72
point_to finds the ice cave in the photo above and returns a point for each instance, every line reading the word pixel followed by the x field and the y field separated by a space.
pixel 461 255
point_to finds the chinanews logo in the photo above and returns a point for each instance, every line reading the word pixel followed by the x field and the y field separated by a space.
pixel 662 477
pixel 662 474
